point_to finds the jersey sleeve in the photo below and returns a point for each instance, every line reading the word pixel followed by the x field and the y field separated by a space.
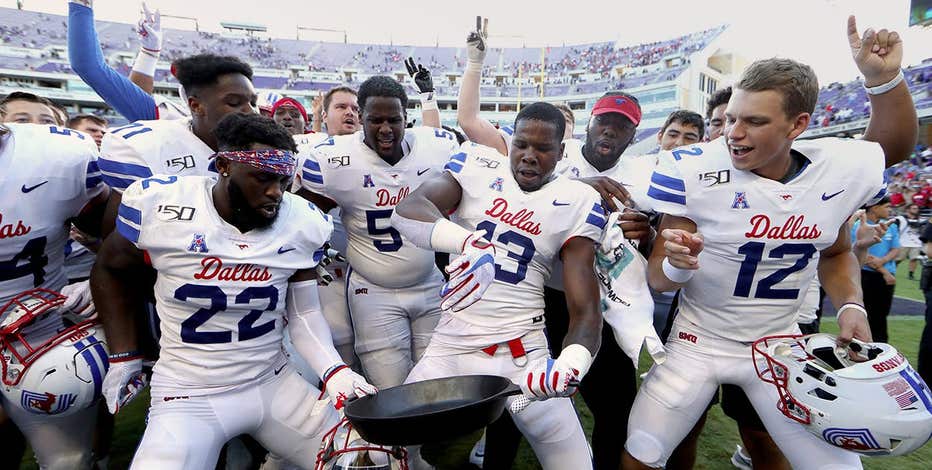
pixel 312 176
pixel 316 230
pixel 131 214
pixel 506 133
pixel 667 190
pixel 458 162
pixel 120 163
pixel 592 222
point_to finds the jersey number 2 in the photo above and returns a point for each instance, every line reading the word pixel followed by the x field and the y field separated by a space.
pixel 246 328
pixel 753 253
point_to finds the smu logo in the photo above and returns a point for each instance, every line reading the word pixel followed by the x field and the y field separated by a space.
pixel 46 403
pixel 687 337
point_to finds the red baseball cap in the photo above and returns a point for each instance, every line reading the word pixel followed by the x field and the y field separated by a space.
pixel 290 102
pixel 618 104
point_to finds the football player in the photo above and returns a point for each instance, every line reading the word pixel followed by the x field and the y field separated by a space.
pixel 215 86
pixel 511 220
pixel 391 285
pixel 41 198
pixel 740 249
pixel 290 114
pixel 235 258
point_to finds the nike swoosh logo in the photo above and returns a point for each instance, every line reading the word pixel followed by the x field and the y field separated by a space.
pixel 826 198
pixel 30 188
pixel 282 250
pixel 419 173
pixel 560 203
pixel 280 368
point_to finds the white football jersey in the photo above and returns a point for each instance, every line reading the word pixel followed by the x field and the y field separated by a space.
pixel 761 236
pixel 367 190
pixel 49 174
pixel 307 142
pixel 631 171
pixel 220 294
pixel 145 148
pixel 528 230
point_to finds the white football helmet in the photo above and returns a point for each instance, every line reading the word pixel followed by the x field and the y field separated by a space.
pixel 343 449
pixel 58 373
pixel 879 406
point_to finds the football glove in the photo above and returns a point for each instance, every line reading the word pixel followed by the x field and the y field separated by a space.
pixel 476 42
pixel 79 301
pixel 471 274
pixel 124 380
pixel 560 377
pixel 342 384
pixel 150 30
pixel 421 76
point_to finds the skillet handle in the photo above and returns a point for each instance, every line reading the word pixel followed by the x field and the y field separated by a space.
pixel 522 402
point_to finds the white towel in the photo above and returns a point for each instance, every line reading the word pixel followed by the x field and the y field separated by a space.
pixel 626 301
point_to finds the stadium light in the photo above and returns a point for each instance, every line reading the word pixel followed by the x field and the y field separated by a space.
pixel 299 28
pixel 196 26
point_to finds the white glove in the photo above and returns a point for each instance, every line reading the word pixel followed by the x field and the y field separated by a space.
pixel 627 304
pixel 476 42
pixel 471 273
pixel 150 30
pixel 560 377
pixel 124 380
pixel 343 384
pixel 79 299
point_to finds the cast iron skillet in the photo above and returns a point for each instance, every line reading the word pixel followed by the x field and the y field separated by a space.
pixel 432 410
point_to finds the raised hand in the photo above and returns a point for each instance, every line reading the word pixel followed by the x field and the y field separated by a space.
pixel 150 30
pixel 421 76
pixel 878 54
pixel 476 46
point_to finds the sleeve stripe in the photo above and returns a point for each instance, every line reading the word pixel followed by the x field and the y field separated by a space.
pixel 313 178
pixel 93 181
pixel 662 195
pixel 126 169
pixel 459 157
pixel 597 221
pixel 453 167
pixel 92 167
pixel 130 213
pixel 668 182
pixel 310 164
pixel 127 231
pixel 118 184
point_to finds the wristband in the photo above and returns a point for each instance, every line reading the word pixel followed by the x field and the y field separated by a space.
pixel 473 67
pixel 332 371
pixel 448 237
pixel 881 89
pixel 124 356
pixel 577 357
pixel 428 101
pixel 675 274
pixel 852 306
pixel 145 62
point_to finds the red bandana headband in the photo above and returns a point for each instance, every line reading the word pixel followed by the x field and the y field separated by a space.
pixel 279 162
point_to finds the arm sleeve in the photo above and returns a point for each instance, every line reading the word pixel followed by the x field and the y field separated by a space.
pixel 120 164
pixel 667 190
pixel 129 221
pixel 592 222
pixel 309 331
pixel 87 61
pixel 312 176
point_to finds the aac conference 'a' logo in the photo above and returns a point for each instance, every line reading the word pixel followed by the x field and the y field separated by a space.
pixel 198 244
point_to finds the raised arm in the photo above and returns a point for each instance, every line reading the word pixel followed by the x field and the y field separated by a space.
pixel 87 61
pixel 477 129
pixel 893 123
pixel 150 38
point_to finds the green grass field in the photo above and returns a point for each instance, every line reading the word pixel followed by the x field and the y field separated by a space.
pixel 715 446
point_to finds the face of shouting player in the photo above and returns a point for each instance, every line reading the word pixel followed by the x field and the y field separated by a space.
pixel 759 133
pixel 535 148
pixel 290 118
pixel 607 137
pixel 342 116
pixel 383 124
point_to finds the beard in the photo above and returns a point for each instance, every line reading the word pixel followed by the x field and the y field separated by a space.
pixel 243 214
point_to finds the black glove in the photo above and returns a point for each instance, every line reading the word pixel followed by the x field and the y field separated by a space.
pixel 421 76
